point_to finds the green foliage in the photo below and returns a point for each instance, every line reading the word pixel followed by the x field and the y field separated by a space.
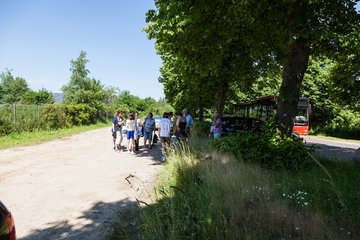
pixel 346 124
pixel 83 90
pixel 55 117
pixel 130 103
pixel 201 128
pixel 207 195
pixel 203 50
pixel 42 96
pixel 21 139
pixel 270 150
pixel 12 89
pixel 46 117
pixel 222 52
pixel 80 114
pixel 334 192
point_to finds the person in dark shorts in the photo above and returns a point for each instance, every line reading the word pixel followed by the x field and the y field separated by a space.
pixel 165 127
pixel 149 127
pixel 180 132
pixel 138 131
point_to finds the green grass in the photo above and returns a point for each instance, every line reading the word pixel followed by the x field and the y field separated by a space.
pixel 35 137
pixel 202 194
pixel 332 190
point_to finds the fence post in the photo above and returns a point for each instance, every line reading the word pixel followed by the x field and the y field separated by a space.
pixel 38 112
pixel 14 111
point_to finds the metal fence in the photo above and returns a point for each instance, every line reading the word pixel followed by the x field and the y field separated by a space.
pixel 16 113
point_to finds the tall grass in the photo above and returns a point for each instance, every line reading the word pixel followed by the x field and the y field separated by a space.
pixel 202 194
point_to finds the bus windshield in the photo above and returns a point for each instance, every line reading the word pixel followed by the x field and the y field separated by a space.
pixel 301 117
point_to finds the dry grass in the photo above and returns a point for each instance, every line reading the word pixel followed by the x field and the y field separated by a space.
pixel 207 195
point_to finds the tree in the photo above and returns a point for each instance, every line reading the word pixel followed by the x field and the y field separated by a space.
pixel 235 42
pixel 42 96
pixel 82 89
pixel 294 30
pixel 12 89
pixel 203 49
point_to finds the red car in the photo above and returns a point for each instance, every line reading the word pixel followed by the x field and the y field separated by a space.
pixel 7 226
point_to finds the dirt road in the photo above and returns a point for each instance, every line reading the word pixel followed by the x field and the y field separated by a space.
pixel 69 188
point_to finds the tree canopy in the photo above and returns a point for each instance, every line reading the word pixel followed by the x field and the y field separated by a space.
pixel 222 49
pixel 82 89
pixel 12 89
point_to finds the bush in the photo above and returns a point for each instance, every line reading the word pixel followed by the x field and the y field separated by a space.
pixel 51 116
pixel 54 117
pixel 267 148
pixel 202 128
pixel 207 195
pixel 345 125
pixel 80 114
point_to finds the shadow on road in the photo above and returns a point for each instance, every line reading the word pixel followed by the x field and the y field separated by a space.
pixel 100 218
pixel 333 152
pixel 154 153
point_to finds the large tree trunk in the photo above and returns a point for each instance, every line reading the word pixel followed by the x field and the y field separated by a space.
pixel 296 65
pixel 223 89
pixel 294 70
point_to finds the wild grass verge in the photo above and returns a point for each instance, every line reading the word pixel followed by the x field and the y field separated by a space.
pixel 39 136
pixel 203 194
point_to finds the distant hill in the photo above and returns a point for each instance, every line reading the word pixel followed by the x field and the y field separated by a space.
pixel 58 97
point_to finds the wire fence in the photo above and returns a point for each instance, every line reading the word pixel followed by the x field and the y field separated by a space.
pixel 17 113
pixel 19 117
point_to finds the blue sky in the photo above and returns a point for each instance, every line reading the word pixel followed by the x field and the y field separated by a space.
pixel 39 38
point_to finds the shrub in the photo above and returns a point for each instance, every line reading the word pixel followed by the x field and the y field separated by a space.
pixel 202 128
pixel 267 148
pixel 51 116
pixel 345 125
pixel 212 196
pixel 54 116
pixel 80 114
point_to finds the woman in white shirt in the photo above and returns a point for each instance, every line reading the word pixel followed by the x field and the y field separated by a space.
pixel 130 127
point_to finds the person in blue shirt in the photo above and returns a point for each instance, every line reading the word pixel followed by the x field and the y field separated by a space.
pixel 189 121
pixel 118 122
pixel 149 127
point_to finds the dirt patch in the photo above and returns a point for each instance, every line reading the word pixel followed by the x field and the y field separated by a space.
pixel 73 188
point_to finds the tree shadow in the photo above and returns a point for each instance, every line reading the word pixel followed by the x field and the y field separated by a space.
pixel 333 152
pixel 154 153
pixel 100 218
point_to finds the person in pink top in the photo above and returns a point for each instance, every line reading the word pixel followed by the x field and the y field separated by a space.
pixel 217 127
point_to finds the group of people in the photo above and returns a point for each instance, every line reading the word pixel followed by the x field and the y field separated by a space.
pixel 147 129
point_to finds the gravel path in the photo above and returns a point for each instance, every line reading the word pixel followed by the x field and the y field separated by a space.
pixel 69 188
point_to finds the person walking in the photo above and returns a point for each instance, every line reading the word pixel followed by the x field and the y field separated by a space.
pixel 165 127
pixel 189 121
pixel 138 131
pixel 180 131
pixel 149 127
pixel 118 122
pixel 130 126
pixel 217 126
